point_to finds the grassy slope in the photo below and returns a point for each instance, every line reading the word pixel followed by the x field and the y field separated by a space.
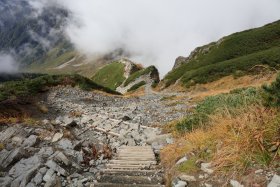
pixel 255 42
pixel 237 132
pixel 110 76
pixel 30 87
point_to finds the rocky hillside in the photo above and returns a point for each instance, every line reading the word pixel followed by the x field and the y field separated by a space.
pixel 125 76
pixel 238 54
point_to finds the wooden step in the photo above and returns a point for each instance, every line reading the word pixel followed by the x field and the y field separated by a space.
pixel 126 185
pixel 133 166
pixel 117 166
pixel 131 179
pixel 128 172
pixel 132 162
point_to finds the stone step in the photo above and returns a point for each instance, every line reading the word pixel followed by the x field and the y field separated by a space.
pixel 129 173
pixel 127 185
pixel 131 179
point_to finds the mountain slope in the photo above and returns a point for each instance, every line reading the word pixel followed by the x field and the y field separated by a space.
pixel 124 75
pixel 237 52
pixel 29 35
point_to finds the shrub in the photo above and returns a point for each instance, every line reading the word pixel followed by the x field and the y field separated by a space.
pixel 29 87
pixel 272 93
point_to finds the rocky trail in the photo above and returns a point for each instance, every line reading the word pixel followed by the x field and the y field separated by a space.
pixel 89 139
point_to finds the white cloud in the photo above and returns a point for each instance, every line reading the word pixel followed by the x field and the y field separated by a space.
pixel 158 31
pixel 7 64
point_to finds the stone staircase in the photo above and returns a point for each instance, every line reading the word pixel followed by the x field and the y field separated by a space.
pixel 133 166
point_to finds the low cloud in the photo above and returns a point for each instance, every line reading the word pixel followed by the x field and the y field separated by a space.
pixel 8 63
pixel 156 32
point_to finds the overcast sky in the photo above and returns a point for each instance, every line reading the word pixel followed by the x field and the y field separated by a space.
pixel 158 31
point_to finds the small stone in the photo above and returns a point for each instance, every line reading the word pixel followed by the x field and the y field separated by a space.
pixel 206 168
pixel 182 160
pixel 38 178
pixel 259 171
pixel 57 137
pixel 17 140
pixel 169 140
pixel 208 185
pixel 180 184
pixel 49 175
pixel 30 141
pixel 52 165
pixel 65 144
pixel 187 178
pixel 275 182
pixel 235 183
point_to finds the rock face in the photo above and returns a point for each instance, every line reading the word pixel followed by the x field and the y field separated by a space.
pixel 180 61
pixel 130 67
pixel 147 77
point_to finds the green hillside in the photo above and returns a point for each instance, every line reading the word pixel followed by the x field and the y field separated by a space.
pixel 111 75
pixel 237 52
pixel 31 86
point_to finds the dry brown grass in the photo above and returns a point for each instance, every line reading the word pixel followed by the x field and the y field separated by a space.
pixel 137 93
pixel 21 119
pixel 226 84
pixel 42 108
pixel 235 142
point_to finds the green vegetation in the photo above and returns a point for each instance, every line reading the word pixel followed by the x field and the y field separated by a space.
pixel 272 93
pixel 111 76
pixel 230 102
pixel 30 87
pixel 136 86
pixel 189 166
pixel 237 52
pixel 134 76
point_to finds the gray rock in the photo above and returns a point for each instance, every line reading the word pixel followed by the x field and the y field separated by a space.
pixel 182 160
pixel 65 144
pixel 49 175
pixel 60 157
pixel 187 178
pixel 8 133
pixel 275 182
pixel 31 184
pixel 23 171
pixel 206 168
pixel 38 178
pixel 178 183
pixel 235 183
pixel 8 157
pixel 54 166
pixel 57 137
pixel 5 181
pixel 17 141
pixel 30 141
pixel 45 152
pixel 259 171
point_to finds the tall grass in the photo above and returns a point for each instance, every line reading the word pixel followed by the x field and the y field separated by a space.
pixel 230 102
